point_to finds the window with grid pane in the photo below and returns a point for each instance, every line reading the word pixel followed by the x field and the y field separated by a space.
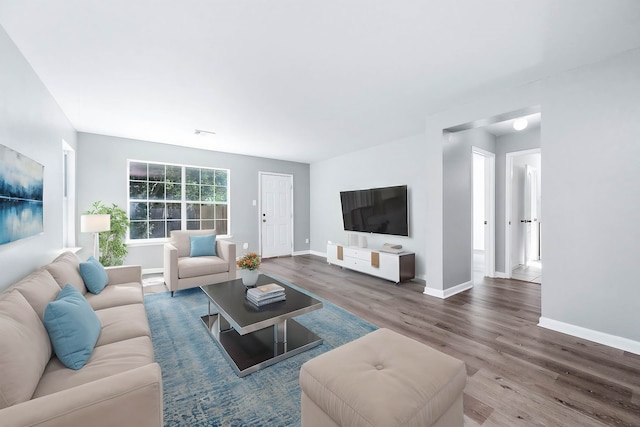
pixel 165 197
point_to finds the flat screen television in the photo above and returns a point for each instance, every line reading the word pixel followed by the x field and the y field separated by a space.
pixel 376 210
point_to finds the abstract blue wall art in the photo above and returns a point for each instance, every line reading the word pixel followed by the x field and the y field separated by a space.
pixel 21 191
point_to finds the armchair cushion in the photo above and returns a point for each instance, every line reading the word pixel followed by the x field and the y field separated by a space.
pixel 203 245
pixel 201 266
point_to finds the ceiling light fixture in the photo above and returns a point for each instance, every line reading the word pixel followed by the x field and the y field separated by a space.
pixel 205 132
pixel 520 124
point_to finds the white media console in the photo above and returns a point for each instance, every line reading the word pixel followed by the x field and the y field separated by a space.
pixel 397 267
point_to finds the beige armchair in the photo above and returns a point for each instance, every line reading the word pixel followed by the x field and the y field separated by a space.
pixel 182 271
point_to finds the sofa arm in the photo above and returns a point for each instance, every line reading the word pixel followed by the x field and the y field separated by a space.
pixel 131 398
pixel 124 274
pixel 226 250
pixel 170 266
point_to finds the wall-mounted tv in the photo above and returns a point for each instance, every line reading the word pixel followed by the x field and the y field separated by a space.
pixel 376 210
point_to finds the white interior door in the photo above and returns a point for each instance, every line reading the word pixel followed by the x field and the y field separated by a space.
pixel 527 218
pixel 531 249
pixel 276 214
pixel 515 212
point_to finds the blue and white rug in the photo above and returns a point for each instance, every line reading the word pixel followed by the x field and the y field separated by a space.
pixel 201 388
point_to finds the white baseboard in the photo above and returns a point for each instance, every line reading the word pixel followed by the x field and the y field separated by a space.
pixel 444 294
pixel 296 253
pixel 501 275
pixel 591 335
pixel 321 254
pixel 152 270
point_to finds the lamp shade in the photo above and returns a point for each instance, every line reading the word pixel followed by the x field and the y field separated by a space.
pixel 95 223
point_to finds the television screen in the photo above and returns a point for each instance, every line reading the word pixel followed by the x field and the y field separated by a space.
pixel 376 210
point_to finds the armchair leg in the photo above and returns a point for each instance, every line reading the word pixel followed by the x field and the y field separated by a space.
pixel 171 294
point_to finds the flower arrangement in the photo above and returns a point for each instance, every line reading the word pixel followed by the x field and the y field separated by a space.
pixel 250 261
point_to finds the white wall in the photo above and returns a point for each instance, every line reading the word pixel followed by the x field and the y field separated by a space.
pixel 103 175
pixel 400 162
pixel 591 196
pixel 457 203
pixel 590 180
pixel 32 124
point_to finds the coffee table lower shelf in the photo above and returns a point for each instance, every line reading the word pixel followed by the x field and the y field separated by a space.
pixel 256 350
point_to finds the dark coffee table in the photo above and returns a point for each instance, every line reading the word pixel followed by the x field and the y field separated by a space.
pixel 252 337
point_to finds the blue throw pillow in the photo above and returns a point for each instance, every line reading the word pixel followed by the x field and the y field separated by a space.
pixel 73 327
pixel 203 245
pixel 94 275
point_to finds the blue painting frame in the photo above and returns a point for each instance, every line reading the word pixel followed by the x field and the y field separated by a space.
pixel 21 196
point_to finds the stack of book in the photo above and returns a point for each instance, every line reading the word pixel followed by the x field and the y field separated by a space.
pixel 266 294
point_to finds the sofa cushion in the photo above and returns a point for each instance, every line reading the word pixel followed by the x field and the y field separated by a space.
pixel 201 266
pixel 203 245
pixel 66 269
pixel 39 289
pixel 115 295
pixel 73 327
pixel 24 349
pixel 94 275
pixel 122 323
pixel 105 361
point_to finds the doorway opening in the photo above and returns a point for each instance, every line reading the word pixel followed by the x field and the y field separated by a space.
pixel 465 261
pixel 483 225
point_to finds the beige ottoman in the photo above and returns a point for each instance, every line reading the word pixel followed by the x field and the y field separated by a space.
pixel 382 379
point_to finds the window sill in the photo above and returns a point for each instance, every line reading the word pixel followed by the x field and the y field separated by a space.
pixel 159 242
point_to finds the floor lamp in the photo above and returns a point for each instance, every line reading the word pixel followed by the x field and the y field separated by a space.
pixel 92 223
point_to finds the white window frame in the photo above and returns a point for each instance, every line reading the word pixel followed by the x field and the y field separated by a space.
pixel 183 202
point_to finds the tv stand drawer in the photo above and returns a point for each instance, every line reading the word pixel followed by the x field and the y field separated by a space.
pixel 394 267
pixel 360 254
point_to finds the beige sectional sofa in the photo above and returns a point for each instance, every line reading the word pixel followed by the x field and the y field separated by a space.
pixel 120 385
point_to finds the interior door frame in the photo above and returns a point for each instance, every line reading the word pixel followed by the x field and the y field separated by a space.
pixel 490 210
pixel 507 200
pixel 260 175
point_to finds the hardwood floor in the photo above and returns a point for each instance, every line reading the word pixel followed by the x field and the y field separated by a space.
pixel 518 373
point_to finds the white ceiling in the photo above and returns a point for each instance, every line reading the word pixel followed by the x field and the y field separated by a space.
pixel 298 80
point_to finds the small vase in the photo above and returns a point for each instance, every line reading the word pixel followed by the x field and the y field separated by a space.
pixel 249 277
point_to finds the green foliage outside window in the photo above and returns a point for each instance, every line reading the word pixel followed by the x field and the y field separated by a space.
pixel 157 195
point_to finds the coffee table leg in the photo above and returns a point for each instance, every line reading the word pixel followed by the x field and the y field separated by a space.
pixel 280 337
pixel 223 324
pixel 216 320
